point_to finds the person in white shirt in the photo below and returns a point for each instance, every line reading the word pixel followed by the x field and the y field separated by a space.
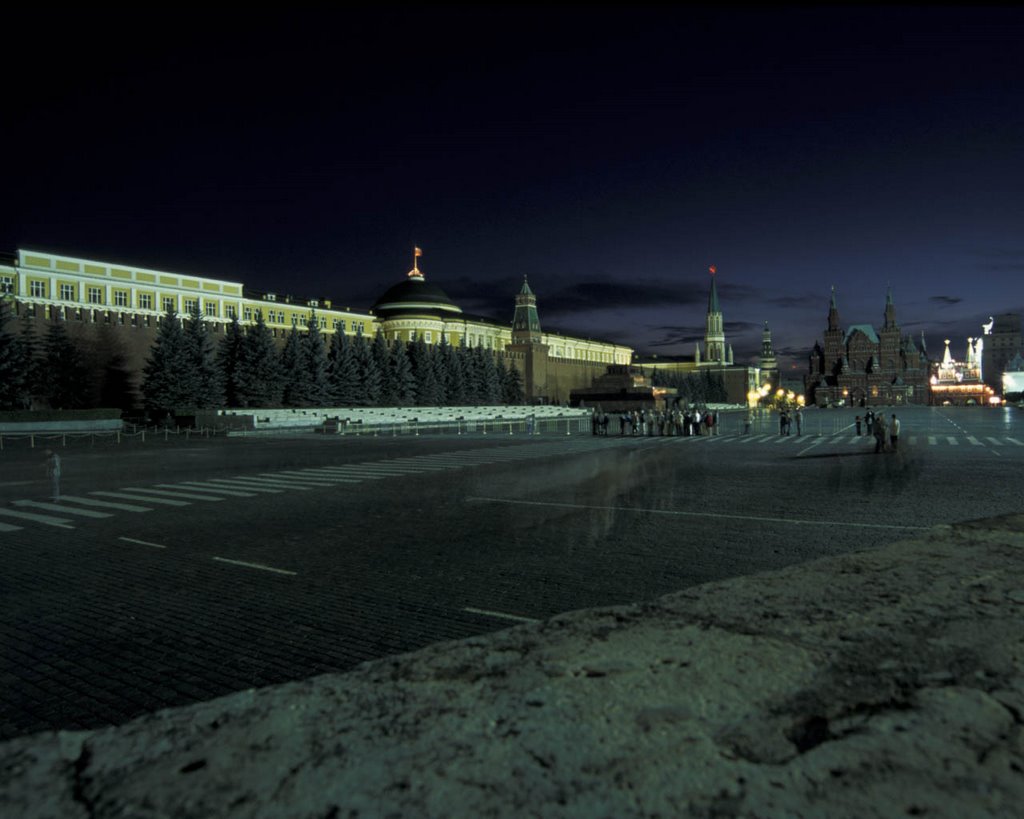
pixel 894 432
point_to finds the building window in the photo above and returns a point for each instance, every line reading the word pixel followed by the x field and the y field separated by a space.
pixel 247 313
pixel 95 295
pixel 6 284
pixel 211 309
pixel 323 323
pixel 428 336
pixel 37 290
pixel 341 325
pixel 229 311
pixel 67 292
pixel 120 298
pixel 145 301
pixel 168 302
pixel 191 305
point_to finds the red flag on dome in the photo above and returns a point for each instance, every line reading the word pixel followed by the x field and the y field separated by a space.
pixel 713 270
pixel 417 252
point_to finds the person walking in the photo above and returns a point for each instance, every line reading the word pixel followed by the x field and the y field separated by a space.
pixel 799 421
pixel 879 429
pixel 53 473
pixel 869 420
pixel 857 419
pixel 894 432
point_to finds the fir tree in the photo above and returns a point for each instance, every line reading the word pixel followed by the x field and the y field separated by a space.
pixel 512 385
pixel 369 373
pixel 12 375
pixel 164 385
pixel 440 359
pixel 314 361
pixel 207 391
pixel 427 389
pixel 296 377
pixel 489 382
pixel 456 378
pixel 343 371
pixel 472 367
pixel 30 362
pixel 116 386
pixel 259 379
pixel 405 380
pixel 229 362
pixel 66 378
pixel 388 384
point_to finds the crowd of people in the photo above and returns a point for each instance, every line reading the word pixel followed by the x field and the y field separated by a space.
pixel 650 422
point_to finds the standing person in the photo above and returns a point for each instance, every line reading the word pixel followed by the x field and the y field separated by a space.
pixel 869 421
pixel 857 419
pixel 894 432
pixel 879 429
pixel 782 422
pixel 799 421
pixel 53 473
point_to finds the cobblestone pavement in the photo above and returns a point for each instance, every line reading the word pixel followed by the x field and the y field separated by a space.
pixel 172 574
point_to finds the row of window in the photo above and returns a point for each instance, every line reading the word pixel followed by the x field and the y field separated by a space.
pixel 122 298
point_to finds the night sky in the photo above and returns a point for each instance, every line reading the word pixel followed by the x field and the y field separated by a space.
pixel 611 154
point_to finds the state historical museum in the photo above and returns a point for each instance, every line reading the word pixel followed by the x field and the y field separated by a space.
pixel 861 365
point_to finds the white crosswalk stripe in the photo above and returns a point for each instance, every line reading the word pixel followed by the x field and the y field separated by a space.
pixel 147 499
pixel 56 507
pixel 269 482
pixel 49 520
pixel 995 441
pixel 6 527
pixel 163 493
pixel 207 487
pixel 307 482
pixel 124 507
pixel 247 486
pixel 974 441
pixel 324 480
pixel 1014 441
pixel 932 440
pixel 953 441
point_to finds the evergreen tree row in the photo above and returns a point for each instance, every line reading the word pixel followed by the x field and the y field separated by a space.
pixel 703 387
pixel 186 369
pixel 245 370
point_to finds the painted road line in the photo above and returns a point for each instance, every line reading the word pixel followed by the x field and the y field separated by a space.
pixel 304 477
pixel 127 496
pixel 501 615
pixel 932 440
pixel 197 486
pixel 56 507
pixel 15 483
pixel 248 487
pixel 163 493
pixel 62 523
pixel 325 480
pixel 995 441
pixel 757 518
pixel 856 439
pixel 809 448
pixel 974 441
pixel 124 507
pixel 142 542
pixel 6 527
pixel 290 481
pixel 913 440
pixel 282 485
pixel 1014 441
pixel 952 441
pixel 331 471
pixel 259 566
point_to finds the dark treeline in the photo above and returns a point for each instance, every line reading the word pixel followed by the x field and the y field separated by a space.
pixel 187 369
pixel 704 387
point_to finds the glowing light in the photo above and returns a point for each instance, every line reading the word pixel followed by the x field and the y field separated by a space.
pixel 713 270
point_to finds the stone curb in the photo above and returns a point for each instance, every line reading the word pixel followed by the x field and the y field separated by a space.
pixel 880 683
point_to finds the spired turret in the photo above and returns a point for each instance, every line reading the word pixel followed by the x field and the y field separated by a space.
pixel 767 360
pixel 525 321
pixel 714 333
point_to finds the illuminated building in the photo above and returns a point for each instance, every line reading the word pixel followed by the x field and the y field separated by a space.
pixel 1002 343
pixel 860 365
pixel 717 357
pixel 95 297
pixel 960 382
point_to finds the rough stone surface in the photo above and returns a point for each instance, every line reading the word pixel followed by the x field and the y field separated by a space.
pixel 882 683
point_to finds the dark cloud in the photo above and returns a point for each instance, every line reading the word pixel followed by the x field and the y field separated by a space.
pixel 945 301
pixel 799 301
pixel 597 295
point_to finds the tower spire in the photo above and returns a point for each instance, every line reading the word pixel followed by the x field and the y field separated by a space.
pixel 714 334
pixel 415 272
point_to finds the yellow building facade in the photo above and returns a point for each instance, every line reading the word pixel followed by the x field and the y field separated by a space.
pixel 50 287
